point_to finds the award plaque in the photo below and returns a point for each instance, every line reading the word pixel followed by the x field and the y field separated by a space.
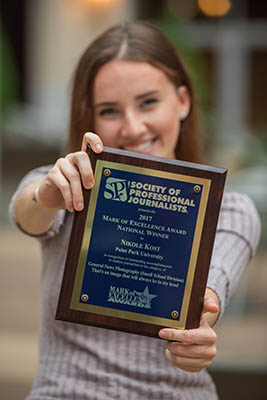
pixel 140 250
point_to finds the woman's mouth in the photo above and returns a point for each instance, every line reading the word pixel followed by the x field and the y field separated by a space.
pixel 144 147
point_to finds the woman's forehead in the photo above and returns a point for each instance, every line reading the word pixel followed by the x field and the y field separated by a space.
pixel 128 77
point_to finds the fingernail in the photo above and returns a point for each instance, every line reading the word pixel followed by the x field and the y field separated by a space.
pixel 98 147
pixel 79 205
pixel 91 184
pixel 163 333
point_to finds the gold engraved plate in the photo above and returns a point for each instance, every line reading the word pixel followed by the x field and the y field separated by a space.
pixel 139 252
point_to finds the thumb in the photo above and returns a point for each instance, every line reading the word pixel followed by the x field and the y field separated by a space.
pixel 211 302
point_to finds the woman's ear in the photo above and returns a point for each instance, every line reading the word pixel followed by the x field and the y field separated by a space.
pixel 184 100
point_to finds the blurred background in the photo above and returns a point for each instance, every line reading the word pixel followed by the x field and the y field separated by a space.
pixel 225 46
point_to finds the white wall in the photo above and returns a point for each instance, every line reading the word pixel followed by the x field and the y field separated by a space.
pixel 57 33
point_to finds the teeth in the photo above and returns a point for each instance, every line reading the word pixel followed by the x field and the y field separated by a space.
pixel 140 147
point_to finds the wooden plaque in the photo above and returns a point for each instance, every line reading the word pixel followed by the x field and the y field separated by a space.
pixel 139 252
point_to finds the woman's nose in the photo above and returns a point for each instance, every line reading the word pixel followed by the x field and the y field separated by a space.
pixel 133 125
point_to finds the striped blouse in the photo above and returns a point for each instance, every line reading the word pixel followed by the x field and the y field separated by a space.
pixel 80 362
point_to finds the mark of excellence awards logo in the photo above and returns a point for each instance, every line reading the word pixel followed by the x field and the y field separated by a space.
pixel 147 194
pixel 122 295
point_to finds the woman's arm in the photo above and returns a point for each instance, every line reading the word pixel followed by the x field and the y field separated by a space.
pixel 236 241
pixel 30 214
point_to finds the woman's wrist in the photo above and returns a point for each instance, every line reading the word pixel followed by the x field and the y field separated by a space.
pixel 30 213
pixel 35 196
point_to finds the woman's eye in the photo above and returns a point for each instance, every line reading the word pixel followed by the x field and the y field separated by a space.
pixel 149 102
pixel 107 111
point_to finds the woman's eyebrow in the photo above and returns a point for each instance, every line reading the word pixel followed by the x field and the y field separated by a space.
pixel 150 93
pixel 105 104
pixel 114 103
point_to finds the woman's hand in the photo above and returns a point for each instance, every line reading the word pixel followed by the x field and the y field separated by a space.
pixel 37 205
pixel 194 349
pixel 62 187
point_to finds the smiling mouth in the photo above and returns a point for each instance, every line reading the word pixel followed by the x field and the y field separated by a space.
pixel 141 148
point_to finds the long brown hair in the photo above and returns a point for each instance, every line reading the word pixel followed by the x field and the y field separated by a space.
pixel 140 41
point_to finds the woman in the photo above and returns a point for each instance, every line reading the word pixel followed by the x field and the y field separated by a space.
pixel 133 91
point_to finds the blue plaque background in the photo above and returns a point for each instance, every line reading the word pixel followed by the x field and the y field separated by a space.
pixel 163 290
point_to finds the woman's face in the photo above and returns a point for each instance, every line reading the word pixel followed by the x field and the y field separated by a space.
pixel 137 108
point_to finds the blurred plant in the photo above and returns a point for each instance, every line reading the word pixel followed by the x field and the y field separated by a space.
pixel 8 76
pixel 256 150
pixel 196 63
pixel 176 31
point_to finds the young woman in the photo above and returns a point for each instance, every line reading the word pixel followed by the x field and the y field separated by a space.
pixel 132 90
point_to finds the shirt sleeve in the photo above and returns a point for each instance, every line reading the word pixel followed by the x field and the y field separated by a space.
pixel 31 176
pixel 236 241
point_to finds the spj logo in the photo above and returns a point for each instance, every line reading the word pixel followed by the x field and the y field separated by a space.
pixel 116 189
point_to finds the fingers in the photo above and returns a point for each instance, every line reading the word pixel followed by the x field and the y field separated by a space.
pixel 93 140
pixel 191 350
pixel 202 335
pixel 71 188
pixel 63 186
pixel 81 163
pixel 189 359
pixel 59 188
pixel 69 174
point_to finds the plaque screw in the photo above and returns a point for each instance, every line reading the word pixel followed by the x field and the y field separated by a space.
pixel 84 298
pixel 197 189
pixel 174 314
pixel 107 172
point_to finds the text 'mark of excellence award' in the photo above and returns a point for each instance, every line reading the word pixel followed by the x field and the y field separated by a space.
pixel 139 252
